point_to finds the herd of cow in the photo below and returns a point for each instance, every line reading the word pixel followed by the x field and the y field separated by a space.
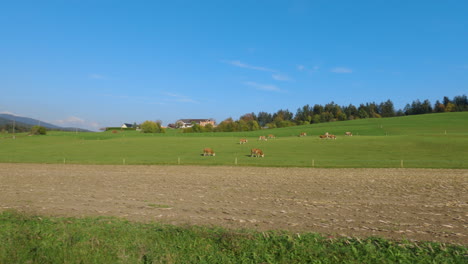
pixel 255 152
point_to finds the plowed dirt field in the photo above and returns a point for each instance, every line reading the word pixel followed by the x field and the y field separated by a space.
pixel 419 204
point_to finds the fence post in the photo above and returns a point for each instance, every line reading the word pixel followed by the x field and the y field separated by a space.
pixel 178 160
pixel 123 161
pixel 63 160
pixel 401 163
pixel 235 161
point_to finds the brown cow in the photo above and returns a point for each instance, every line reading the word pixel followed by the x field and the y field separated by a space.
pixel 253 152
pixel 262 138
pixel 256 153
pixel 348 134
pixel 260 153
pixel 208 152
pixel 243 141
pixel 332 136
pixel 323 136
pixel 271 136
pixel 303 134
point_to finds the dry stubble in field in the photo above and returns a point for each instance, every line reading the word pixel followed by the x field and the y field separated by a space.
pixel 421 204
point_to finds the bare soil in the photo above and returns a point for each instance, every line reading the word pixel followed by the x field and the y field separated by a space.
pixel 414 204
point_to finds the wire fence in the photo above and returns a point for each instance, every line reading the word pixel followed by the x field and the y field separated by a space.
pixel 253 161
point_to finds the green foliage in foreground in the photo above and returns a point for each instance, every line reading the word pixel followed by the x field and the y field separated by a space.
pixel 152 127
pixel 422 141
pixel 38 130
pixel 29 239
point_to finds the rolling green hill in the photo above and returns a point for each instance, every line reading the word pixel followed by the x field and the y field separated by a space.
pixel 422 141
pixel 26 123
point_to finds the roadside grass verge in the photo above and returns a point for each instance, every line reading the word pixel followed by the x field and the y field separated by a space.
pixel 33 239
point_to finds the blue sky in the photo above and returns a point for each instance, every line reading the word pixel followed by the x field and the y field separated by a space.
pixel 97 63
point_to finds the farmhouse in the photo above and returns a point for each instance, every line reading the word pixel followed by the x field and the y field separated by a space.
pixel 183 123
pixel 126 125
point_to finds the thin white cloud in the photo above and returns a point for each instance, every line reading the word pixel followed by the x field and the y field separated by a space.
pixel 94 125
pixel 119 96
pixel 277 75
pixel 248 66
pixel 96 76
pixel 179 98
pixel 263 87
pixel 341 70
pixel 9 113
pixel 147 100
pixel 71 120
pixel 280 77
pixel 303 68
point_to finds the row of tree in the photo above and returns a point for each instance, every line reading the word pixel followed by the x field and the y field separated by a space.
pixel 10 128
pixel 457 104
pixel 33 130
pixel 331 112
pixel 152 127
pixel 304 115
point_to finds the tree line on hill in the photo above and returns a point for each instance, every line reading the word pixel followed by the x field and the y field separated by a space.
pixel 9 127
pixel 331 112
pixel 19 124
pixel 33 130
pixel 145 127
pixel 284 118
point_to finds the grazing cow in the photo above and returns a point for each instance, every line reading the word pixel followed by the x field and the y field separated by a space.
pixel 271 136
pixel 303 134
pixel 348 134
pixel 253 152
pixel 243 141
pixel 262 138
pixel 256 153
pixel 208 152
pixel 332 136
pixel 260 153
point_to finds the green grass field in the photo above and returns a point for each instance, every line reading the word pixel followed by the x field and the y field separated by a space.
pixel 424 141
pixel 30 239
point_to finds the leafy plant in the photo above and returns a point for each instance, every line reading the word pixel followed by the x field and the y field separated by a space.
pixel 152 127
pixel 33 239
pixel 38 130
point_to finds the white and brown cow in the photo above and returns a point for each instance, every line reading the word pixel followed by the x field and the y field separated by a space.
pixel 302 134
pixel 208 152
pixel 243 141
pixel 262 138
pixel 256 153
pixel 348 134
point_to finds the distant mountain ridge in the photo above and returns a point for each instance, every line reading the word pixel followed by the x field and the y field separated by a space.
pixel 29 122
